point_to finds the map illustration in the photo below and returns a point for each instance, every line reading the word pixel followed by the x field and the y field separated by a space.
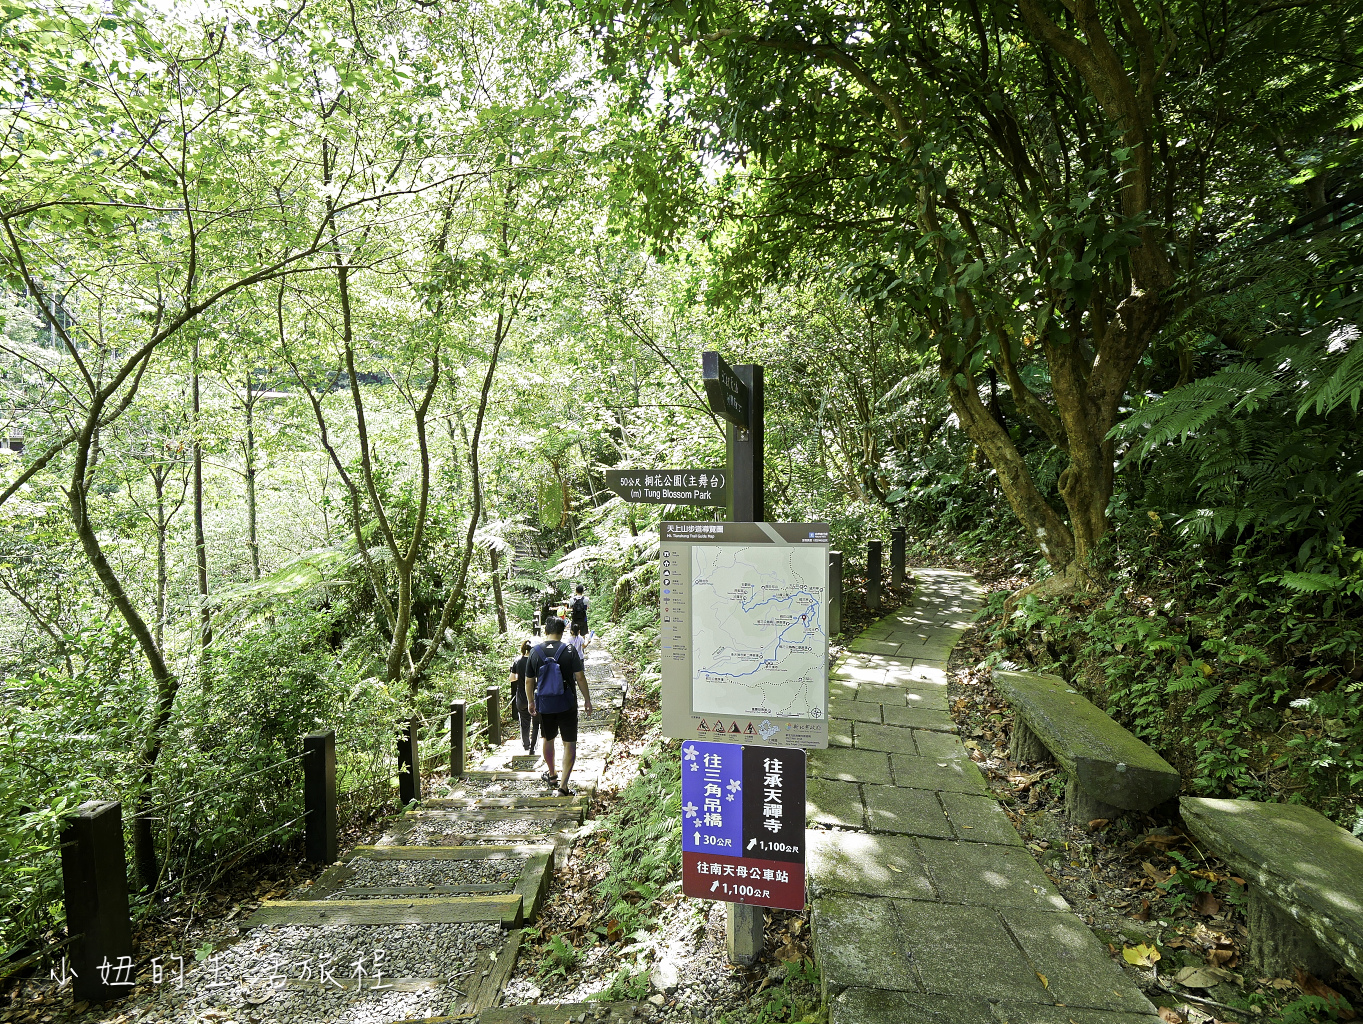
pixel 758 630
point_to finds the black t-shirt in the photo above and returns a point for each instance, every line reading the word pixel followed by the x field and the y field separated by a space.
pixel 569 664
pixel 518 670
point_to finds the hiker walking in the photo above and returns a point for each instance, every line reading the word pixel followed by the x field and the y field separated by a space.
pixel 578 610
pixel 555 666
pixel 520 698
pixel 576 640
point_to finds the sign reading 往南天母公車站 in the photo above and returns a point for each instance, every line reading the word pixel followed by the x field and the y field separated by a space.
pixel 670 486
pixel 744 640
pixel 743 824
pixel 726 392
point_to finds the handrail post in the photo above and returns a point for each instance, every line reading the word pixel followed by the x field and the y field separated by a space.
pixel 897 556
pixel 319 797
pixel 494 715
pixel 95 878
pixel 873 569
pixel 409 761
pixel 834 593
pixel 458 737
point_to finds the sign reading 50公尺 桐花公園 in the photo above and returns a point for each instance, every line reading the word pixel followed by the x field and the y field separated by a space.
pixel 743 824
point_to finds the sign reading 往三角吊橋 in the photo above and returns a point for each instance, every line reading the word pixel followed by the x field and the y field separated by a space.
pixel 725 391
pixel 745 632
pixel 670 486
pixel 743 824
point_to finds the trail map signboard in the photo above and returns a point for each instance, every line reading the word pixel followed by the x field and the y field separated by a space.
pixel 743 824
pixel 745 632
pixel 670 486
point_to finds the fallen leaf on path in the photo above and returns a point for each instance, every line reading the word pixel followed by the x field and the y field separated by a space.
pixel 1140 956
pixel 1144 913
pixel 1207 905
pixel 1044 983
pixel 1206 977
pixel 1098 823
pixel 1169 1016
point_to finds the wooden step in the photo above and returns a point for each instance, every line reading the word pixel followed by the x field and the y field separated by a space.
pixel 395 891
pixel 504 909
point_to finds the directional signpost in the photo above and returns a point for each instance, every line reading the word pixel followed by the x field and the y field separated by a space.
pixel 670 486
pixel 745 676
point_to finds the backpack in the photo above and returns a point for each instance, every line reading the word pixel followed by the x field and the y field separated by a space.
pixel 549 682
pixel 579 609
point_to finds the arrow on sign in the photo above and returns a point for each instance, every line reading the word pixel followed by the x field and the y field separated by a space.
pixel 697 839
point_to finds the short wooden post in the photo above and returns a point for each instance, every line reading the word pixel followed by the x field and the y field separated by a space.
pixel 409 760
pixel 834 593
pixel 95 877
pixel 319 797
pixel 897 556
pixel 458 737
pixel 743 926
pixel 535 626
pixel 873 570
pixel 494 715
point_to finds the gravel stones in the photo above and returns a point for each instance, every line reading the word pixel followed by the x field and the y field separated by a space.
pixel 388 873
pixel 435 834
pixel 408 950
pixel 473 788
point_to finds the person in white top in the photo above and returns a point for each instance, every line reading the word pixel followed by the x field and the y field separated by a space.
pixel 576 640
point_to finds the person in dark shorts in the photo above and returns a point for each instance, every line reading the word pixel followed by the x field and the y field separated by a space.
pixel 520 697
pixel 557 712
pixel 577 609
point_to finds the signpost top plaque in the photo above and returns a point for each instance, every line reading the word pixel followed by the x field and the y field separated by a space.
pixel 725 390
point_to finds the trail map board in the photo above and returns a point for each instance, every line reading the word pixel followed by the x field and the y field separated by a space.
pixel 745 632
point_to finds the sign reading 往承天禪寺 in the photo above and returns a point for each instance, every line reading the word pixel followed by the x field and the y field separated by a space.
pixel 743 824
pixel 745 632
pixel 670 486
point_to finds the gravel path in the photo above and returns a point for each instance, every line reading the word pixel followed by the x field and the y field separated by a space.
pixel 370 872
pixel 433 835
pixel 474 788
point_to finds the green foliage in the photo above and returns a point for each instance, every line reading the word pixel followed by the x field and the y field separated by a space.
pixel 559 960
pixel 644 855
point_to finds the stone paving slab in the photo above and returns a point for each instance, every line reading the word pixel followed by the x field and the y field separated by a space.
pixel 873 647
pixel 866 736
pixel 988 876
pixel 839 732
pixel 1063 948
pixel 855 710
pixel 872 865
pixel 872 1006
pixel 847 765
pixel 914 812
pixel 881 693
pixel 964 950
pixel 918 717
pixel 979 819
pixel 937 744
pixel 945 775
pixel 834 803
pixel 860 946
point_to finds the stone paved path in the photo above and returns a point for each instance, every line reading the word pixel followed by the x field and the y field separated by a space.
pixel 927 906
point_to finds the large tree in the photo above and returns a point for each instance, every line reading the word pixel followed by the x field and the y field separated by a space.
pixel 1022 182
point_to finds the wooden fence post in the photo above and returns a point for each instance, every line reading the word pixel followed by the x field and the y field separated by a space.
pixel 834 593
pixel 458 737
pixel 319 797
pixel 494 715
pixel 409 760
pixel 95 877
pixel 897 556
pixel 873 553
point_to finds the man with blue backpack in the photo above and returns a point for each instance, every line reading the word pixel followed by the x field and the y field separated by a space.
pixel 554 667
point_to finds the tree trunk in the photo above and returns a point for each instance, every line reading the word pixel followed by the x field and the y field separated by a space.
pixel 493 559
pixel 252 541
pixel 200 548
pixel 161 575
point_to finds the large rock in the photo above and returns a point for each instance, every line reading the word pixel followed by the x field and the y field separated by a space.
pixel 1295 858
pixel 1109 763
